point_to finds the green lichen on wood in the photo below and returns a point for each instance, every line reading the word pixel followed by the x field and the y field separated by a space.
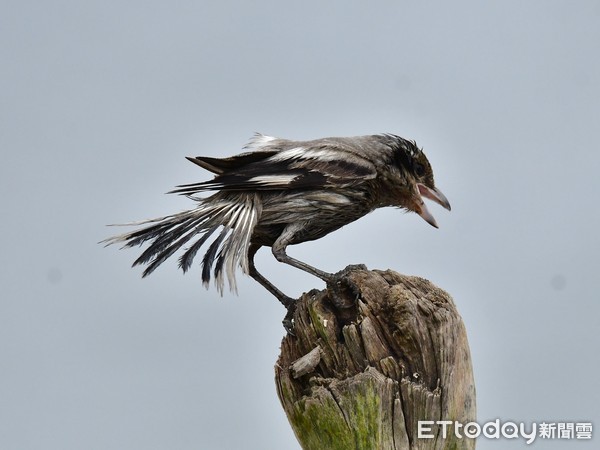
pixel 317 320
pixel 320 424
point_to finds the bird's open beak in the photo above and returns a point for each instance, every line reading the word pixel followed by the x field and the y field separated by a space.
pixel 434 195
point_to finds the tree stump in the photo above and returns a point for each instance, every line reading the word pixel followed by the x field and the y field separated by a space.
pixel 372 355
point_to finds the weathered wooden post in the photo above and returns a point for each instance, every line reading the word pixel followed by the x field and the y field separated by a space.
pixel 371 357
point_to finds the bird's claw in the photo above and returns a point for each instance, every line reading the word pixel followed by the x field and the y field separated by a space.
pixel 343 292
pixel 288 320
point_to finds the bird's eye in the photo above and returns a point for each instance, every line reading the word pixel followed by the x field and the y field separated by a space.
pixel 419 169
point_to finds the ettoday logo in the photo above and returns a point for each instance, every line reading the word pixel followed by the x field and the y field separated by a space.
pixel 428 429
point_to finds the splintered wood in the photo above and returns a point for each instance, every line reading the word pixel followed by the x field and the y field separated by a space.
pixel 363 375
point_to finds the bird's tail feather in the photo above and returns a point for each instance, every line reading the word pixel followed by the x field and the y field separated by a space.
pixel 236 216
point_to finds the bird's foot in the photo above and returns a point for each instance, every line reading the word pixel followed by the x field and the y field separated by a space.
pixel 286 301
pixel 343 292
pixel 290 305
pixel 288 320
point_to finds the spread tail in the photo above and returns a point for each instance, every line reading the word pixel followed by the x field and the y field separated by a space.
pixel 236 217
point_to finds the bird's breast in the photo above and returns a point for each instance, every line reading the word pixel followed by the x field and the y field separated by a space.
pixel 321 212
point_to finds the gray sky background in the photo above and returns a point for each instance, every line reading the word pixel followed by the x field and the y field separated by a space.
pixel 101 101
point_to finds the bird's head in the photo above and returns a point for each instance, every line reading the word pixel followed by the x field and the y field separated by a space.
pixel 412 166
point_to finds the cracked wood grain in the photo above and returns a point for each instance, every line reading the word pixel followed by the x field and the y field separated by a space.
pixel 361 376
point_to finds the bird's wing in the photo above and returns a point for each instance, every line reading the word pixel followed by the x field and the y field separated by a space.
pixel 304 166
pixel 223 165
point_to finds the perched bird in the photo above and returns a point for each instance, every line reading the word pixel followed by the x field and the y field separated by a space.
pixel 282 192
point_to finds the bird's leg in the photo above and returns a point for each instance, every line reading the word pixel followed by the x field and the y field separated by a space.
pixel 342 291
pixel 288 302
pixel 281 244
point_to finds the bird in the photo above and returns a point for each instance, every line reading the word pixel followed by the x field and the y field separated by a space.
pixel 281 192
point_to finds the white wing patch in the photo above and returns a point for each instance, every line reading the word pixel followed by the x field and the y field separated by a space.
pixel 279 179
pixel 292 153
pixel 323 155
pixel 309 153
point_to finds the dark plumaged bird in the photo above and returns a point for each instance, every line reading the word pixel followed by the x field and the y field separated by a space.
pixel 282 192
